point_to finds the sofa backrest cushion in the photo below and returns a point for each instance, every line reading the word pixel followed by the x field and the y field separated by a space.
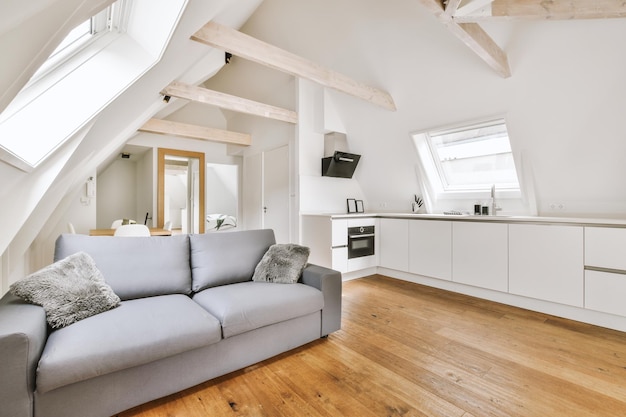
pixel 135 267
pixel 227 257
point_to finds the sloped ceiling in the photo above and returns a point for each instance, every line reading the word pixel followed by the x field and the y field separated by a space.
pixel 563 102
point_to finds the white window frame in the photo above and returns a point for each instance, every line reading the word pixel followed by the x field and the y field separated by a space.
pixel 430 175
pixel 111 23
pixel 111 19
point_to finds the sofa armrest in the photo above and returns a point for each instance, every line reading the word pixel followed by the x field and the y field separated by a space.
pixel 328 281
pixel 23 334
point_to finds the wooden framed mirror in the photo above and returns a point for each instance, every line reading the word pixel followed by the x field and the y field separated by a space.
pixel 181 190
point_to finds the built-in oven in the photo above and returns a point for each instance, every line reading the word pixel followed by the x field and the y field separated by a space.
pixel 360 241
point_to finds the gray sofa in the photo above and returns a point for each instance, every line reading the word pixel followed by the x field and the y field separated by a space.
pixel 189 312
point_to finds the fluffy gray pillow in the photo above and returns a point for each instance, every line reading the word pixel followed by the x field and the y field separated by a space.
pixel 69 290
pixel 282 263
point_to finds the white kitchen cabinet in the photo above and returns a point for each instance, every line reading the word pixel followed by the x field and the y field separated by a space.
pixel 340 259
pixel 480 254
pixel 605 273
pixel 546 262
pixel 339 232
pixel 430 248
pixel 605 247
pixel 339 244
pixel 394 244
pixel 604 291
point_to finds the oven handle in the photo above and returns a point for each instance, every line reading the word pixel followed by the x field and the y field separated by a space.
pixel 360 236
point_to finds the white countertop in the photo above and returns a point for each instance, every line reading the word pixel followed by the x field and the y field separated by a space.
pixel 582 221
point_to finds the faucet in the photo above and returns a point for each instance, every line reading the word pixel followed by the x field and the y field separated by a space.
pixel 494 206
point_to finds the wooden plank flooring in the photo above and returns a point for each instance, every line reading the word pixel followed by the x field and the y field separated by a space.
pixel 410 350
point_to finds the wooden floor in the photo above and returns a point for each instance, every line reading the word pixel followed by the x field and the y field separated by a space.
pixel 410 350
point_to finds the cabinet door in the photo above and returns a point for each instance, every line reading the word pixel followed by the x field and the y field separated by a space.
pixel 430 248
pixel 339 232
pixel 546 262
pixel 394 244
pixel 480 255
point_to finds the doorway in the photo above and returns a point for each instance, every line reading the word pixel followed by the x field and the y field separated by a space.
pixel 181 185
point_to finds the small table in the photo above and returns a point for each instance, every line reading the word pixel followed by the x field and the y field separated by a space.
pixel 154 231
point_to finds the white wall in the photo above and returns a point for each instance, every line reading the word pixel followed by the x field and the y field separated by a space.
pixel 176 199
pixel 145 189
pixel 563 103
pixel 117 193
pixel 222 185
pixel 319 194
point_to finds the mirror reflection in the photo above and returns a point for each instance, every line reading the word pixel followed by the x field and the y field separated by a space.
pixel 181 188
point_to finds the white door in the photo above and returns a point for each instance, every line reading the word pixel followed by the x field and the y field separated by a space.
pixel 253 192
pixel 276 192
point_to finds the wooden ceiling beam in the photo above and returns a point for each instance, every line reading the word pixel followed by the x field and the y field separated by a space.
pixel 167 127
pixel 546 10
pixel 229 102
pixel 472 35
pixel 247 47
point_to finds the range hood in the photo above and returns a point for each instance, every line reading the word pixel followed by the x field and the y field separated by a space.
pixel 337 161
pixel 341 165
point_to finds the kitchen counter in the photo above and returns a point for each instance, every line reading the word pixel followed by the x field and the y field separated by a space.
pixel 570 267
pixel 582 221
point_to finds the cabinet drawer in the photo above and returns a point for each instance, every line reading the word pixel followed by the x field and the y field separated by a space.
pixel 605 247
pixel 604 291
pixel 340 259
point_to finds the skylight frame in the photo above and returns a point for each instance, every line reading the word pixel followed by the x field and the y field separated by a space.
pixel 432 179
pixel 485 141
pixel 111 19
pixel 107 26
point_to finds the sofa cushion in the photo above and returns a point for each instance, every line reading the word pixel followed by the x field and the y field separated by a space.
pixel 137 267
pixel 249 305
pixel 135 333
pixel 69 290
pixel 227 257
pixel 282 264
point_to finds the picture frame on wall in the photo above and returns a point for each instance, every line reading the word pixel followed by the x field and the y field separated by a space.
pixel 359 206
pixel 351 205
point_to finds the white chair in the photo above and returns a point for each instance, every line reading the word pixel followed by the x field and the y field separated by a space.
pixel 120 222
pixel 70 228
pixel 132 230
pixel 167 225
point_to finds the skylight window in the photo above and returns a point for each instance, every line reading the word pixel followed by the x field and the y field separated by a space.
pixel 110 19
pixel 80 32
pixel 468 158
pixel 45 113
